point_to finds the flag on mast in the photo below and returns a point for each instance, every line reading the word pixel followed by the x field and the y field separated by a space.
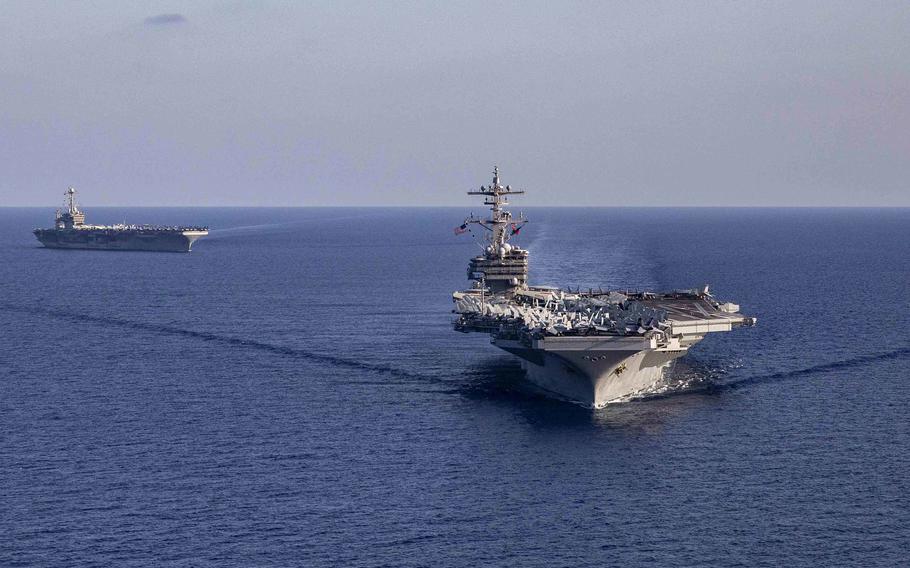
pixel 462 229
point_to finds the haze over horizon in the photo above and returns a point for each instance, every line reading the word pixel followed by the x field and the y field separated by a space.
pixel 349 103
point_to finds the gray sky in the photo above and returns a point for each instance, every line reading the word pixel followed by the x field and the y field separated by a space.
pixel 390 103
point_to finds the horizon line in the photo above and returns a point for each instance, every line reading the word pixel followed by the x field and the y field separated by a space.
pixel 469 206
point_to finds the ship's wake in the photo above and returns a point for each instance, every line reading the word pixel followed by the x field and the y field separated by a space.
pixel 244 230
pixel 223 339
pixel 689 376
pixel 859 361
pixel 693 376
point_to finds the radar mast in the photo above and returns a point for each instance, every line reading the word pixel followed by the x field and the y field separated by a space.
pixel 70 216
pixel 498 225
pixel 70 201
pixel 503 267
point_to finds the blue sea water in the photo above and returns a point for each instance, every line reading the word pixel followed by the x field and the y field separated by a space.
pixel 291 393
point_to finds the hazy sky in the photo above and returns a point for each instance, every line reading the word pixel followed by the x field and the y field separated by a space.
pixel 390 103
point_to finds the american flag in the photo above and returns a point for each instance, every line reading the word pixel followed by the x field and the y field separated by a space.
pixel 462 229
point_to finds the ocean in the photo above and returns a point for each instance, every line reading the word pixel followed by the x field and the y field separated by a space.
pixel 291 393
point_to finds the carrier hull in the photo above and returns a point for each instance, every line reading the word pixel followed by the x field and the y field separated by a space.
pixel 593 371
pixel 152 241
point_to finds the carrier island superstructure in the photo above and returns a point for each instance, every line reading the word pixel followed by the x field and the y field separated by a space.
pixel 71 232
pixel 593 347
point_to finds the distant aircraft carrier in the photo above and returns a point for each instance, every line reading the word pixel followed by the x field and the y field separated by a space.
pixel 592 347
pixel 71 232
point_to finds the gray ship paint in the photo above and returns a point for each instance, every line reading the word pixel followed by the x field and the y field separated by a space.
pixel 593 347
pixel 71 232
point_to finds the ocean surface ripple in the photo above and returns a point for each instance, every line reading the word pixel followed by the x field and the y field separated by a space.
pixel 292 393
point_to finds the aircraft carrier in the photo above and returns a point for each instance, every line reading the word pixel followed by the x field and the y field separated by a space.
pixel 71 232
pixel 593 347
